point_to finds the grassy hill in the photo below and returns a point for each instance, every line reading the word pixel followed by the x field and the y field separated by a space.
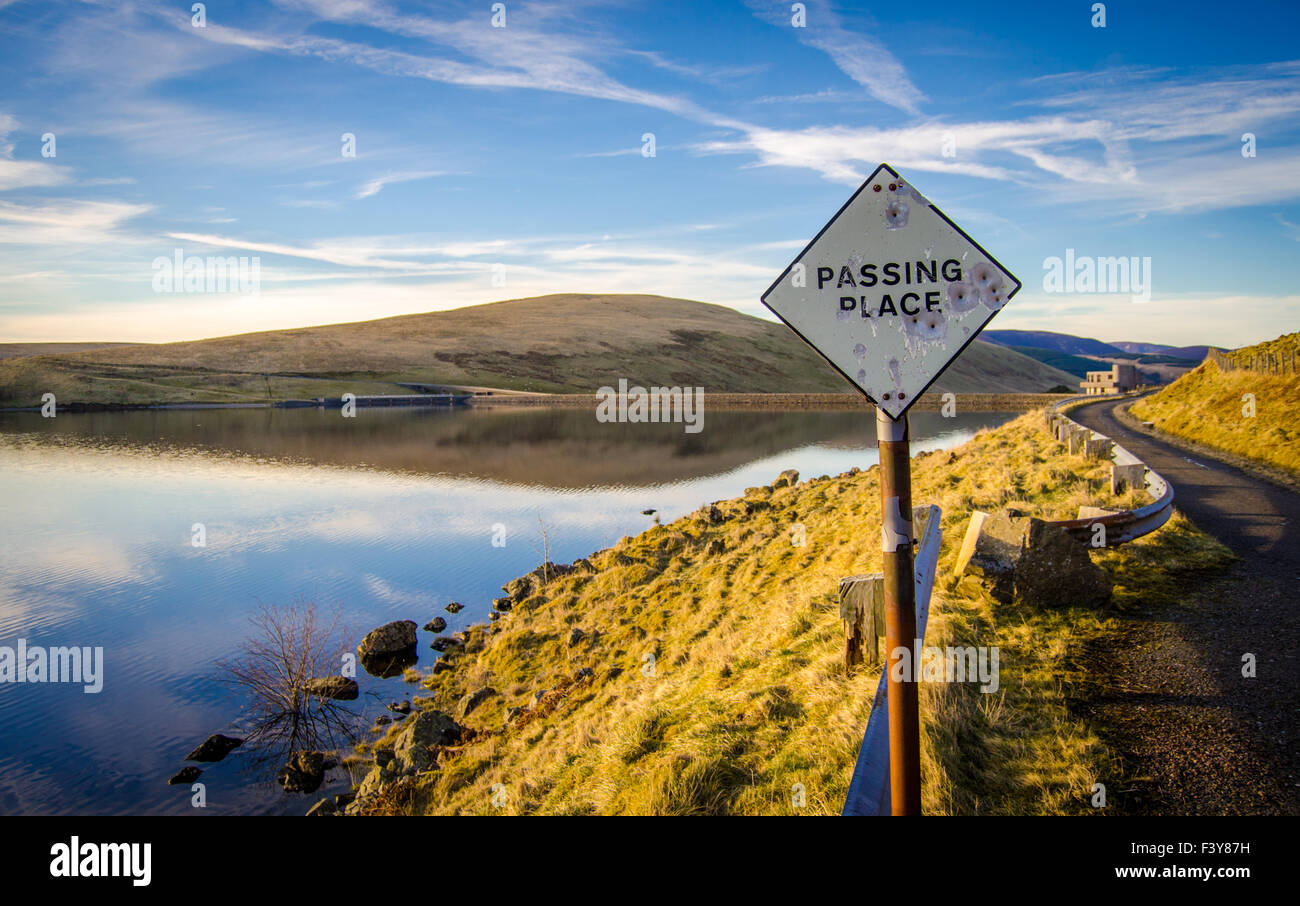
pixel 745 695
pixel 1206 405
pixel 558 343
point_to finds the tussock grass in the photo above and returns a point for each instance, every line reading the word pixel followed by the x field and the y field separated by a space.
pixel 1205 405
pixel 718 682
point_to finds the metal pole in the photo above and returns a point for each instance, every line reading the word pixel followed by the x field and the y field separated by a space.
pixel 900 612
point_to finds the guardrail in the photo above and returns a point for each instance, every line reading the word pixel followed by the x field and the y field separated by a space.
pixel 869 786
pixel 1126 470
pixel 861 597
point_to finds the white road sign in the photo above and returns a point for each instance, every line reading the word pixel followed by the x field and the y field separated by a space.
pixel 890 291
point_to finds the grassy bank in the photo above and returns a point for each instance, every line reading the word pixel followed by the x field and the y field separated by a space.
pixel 1207 406
pixel 706 680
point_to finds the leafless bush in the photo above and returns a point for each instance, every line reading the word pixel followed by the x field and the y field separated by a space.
pixel 287 648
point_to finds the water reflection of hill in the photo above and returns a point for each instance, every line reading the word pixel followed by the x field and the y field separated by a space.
pixel 559 448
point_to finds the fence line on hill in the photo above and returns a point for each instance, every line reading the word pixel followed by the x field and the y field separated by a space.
pixel 1262 362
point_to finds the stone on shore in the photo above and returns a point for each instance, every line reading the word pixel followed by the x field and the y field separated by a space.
pixel 185 775
pixel 302 773
pixel 214 748
pixel 341 688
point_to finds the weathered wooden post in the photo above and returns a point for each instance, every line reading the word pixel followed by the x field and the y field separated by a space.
pixel 889 293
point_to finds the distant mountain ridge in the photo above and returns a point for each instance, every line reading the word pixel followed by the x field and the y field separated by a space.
pixel 1046 339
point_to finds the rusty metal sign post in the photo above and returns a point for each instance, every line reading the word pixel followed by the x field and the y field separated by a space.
pixel 890 292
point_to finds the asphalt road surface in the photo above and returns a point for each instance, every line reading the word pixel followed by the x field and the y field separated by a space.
pixel 1195 736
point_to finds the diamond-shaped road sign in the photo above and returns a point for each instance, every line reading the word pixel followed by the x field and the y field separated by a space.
pixel 890 291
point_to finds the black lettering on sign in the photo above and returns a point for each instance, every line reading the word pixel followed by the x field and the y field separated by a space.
pixel 887 303
pixel 868 272
pixel 890 271
pixel 903 303
pixel 846 275
pixel 952 269
pixel 847 303
pixel 824 274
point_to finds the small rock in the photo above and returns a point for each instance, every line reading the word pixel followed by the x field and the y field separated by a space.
pixel 185 775
pixel 439 666
pixel 713 515
pixel 437 624
pixel 787 479
pixel 383 719
pixel 214 748
pixel 455 607
pixel 583 674
pixel 302 773
pixel 648 512
pixel 341 688
pixel 503 605
pixel 575 636
pixel 402 707
pixel 474 699
pixel 442 643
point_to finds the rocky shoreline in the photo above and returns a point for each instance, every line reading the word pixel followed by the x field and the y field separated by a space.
pixel 427 738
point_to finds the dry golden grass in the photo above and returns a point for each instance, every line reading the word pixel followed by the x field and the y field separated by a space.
pixel 718 679
pixel 1208 406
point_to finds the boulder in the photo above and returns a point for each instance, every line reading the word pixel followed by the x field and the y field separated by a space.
pixel 576 636
pixel 518 589
pixel 503 605
pixel 337 687
pixel 443 642
pixel 302 773
pixel 402 707
pixel 413 750
pixel 713 515
pixel 389 650
pixel 391 638
pixel 787 479
pixel 437 624
pixel 455 607
pixel 185 775
pixel 214 748
pixel 1055 570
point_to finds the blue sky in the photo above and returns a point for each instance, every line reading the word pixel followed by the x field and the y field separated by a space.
pixel 516 153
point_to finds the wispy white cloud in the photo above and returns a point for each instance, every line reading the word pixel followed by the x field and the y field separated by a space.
pixel 376 185
pixel 864 58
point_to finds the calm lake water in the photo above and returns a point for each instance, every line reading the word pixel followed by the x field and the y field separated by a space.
pixel 386 516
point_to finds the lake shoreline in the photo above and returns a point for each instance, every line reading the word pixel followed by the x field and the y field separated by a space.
pixel 964 402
